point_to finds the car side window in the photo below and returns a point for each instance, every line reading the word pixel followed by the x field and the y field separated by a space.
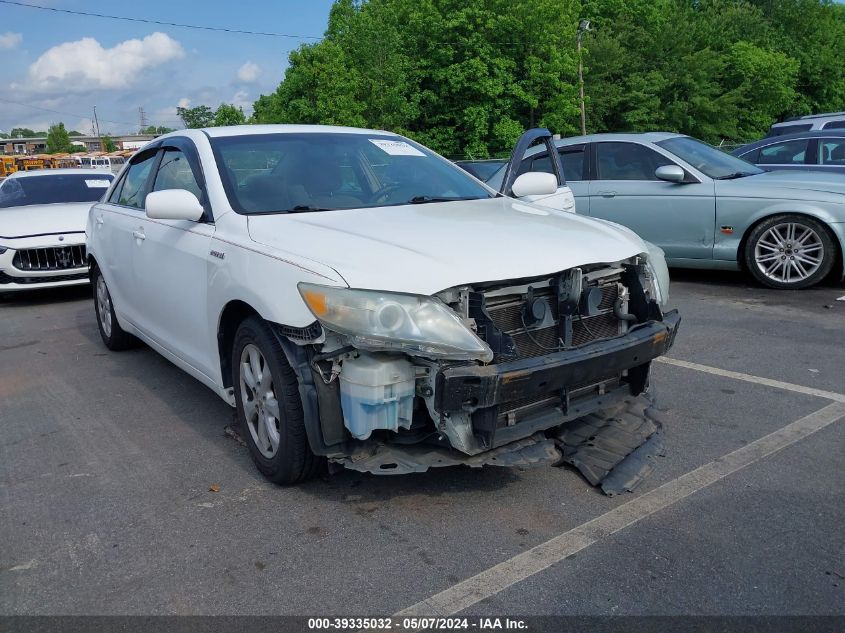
pixel 627 161
pixel 786 153
pixel 834 125
pixel 832 151
pixel 114 196
pixel 133 191
pixel 571 158
pixel 175 172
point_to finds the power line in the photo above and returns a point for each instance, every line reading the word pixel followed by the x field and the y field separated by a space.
pixel 162 22
pixel 78 116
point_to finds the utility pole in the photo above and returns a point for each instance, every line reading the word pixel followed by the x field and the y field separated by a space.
pixel 97 126
pixel 583 27
pixel 143 120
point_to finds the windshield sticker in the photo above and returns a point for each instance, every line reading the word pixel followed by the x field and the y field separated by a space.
pixel 396 148
pixel 97 184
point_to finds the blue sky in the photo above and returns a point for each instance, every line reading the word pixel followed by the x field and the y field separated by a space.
pixel 71 63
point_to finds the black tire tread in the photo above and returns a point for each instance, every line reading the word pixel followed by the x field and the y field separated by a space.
pixel 294 462
pixel 120 339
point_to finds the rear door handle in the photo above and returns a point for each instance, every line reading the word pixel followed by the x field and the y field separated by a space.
pixel 99 220
pixel 139 234
pixel 607 194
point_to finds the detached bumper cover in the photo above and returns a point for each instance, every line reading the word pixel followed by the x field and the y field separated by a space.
pixel 470 387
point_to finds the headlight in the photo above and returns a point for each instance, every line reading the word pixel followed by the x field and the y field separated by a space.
pixel 416 325
pixel 659 273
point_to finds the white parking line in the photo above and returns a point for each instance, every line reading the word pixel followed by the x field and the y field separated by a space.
pixel 498 578
pixel 810 391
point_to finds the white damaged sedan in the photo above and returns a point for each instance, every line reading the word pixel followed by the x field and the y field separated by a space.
pixel 361 300
pixel 42 226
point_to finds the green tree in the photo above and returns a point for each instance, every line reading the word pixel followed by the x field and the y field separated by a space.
pixel 155 129
pixel 108 144
pixel 228 114
pixel 58 140
pixel 24 132
pixel 200 116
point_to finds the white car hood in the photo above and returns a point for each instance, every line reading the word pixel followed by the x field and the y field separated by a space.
pixel 43 219
pixel 426 248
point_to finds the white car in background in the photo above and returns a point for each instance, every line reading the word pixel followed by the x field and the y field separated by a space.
pixel 42 226
pixel 360 299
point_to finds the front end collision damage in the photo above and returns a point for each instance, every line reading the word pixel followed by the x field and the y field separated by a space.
pixel 456 416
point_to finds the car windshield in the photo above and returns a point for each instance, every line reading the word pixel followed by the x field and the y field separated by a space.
pixel 707 159
pixel 293 173
pixel 53 189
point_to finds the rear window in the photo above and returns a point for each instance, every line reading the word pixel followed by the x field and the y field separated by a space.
pixel 53 189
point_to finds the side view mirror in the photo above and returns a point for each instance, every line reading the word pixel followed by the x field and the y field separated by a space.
pixel 670 173
pixel 173 204
pixel 534 183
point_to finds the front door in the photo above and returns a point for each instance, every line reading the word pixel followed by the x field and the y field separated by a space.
pixel 679 217
pixel 115 225
pixel 171 265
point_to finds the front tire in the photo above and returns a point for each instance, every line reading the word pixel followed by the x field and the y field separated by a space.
pixel 115 337
pixel 790 252
pixel 268 405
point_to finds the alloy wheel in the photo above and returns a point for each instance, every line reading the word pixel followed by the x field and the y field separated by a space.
pixel 104 305
pixel 789 252
pixel 258 396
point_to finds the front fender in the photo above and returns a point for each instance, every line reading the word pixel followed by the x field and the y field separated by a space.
pixel 736 216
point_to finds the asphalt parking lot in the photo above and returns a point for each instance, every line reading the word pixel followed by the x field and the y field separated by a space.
pixel 106 460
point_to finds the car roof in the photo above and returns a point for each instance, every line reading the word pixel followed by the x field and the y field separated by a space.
pixel 645 137
pixel 246 130
pixel 35 173
pixel 810 117
pixel 772 140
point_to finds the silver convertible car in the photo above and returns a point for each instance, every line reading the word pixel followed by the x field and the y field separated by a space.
pixel 705 208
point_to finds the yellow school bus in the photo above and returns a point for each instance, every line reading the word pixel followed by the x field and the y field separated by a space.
pixel 28 163
pixel 7 166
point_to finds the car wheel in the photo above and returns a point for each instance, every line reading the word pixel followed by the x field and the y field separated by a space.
pixel 790 252
pixel 112 334
pixel 269 407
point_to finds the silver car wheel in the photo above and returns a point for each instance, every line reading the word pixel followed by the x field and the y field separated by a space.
pixel 789 252
pixel 104 305
pixel 258 397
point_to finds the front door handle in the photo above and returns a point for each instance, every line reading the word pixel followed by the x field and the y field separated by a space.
pixel 139 234
pixel 99 220
pixel 607 194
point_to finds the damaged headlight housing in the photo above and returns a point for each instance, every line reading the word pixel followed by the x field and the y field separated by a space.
pixel 658 273
pixel 416 325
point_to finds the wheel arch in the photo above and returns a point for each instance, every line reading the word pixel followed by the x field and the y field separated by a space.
pixel 834 235
pixel 232 315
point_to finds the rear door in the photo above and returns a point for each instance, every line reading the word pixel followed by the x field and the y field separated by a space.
pixel 678 217
pixel 171 262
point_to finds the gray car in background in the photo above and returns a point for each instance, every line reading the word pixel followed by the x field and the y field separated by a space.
pixel 806 151
pixel 706 208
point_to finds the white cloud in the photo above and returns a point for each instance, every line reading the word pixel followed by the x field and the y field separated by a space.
pixel 85 65
pixel 10 40
pixel 184 102
pixel 249 73
pixel 241 99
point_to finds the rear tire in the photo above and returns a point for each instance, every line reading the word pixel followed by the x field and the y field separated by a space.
pixel 269 407
pixel 790 252
pixel 115 337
